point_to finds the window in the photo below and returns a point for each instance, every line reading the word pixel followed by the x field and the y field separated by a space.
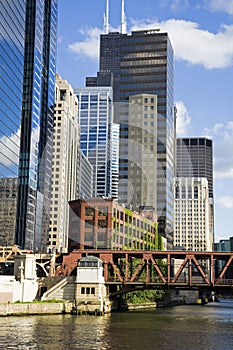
pixel 102 223
pixel 89 211
pixel 62 95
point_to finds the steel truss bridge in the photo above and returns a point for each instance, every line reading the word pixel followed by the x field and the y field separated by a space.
pixel 151 269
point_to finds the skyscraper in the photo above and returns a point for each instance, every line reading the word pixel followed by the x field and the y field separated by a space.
pixel 194 158
pixel 142 63
pixel 65 170
pixel 142 159
pixel 27 85
pixel 193 214
pixel 194 202
pixel 95 116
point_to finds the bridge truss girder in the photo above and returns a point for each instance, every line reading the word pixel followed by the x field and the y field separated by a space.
pixel 157 268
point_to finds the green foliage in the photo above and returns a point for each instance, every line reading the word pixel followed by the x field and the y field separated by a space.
pixel 146 296
pixel 39 301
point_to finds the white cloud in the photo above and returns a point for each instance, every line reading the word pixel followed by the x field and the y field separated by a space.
pixel 90 46
pixel 174 5
pixel 195 45
pixel 223 149
pixel 9 146
pixel 191 43
pixel 177 5
pixel 221 5
pixel 183 121
pixel 225 201
pixel 10 149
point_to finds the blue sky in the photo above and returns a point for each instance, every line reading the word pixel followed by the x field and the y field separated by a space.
pixel 201 32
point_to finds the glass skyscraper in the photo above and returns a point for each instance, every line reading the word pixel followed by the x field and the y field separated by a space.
pixel 27 86
pixel 142 63
pixel 98 142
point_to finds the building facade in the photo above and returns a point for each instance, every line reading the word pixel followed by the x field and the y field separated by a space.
pixel 193 215
pixel 104 224
pixel 8 195
pixel 194 158
pixel 142 63
pixel 86 177
pixel 12 34
pixel 95 117
pixel 142 151
pixel 27 83
pixel 66 170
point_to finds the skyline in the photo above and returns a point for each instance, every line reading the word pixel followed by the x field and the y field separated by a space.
pixel 202 38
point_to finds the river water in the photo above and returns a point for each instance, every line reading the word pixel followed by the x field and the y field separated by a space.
pixel 208 327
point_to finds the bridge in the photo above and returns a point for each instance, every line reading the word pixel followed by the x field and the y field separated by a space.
pixel 159 269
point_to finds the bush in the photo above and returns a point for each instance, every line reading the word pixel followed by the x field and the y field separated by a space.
pixel 147 296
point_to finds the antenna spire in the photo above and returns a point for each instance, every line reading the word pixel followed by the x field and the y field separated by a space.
pixel 123 18
pixel 106 18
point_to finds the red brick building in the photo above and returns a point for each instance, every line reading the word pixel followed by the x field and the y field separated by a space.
pixel 104 224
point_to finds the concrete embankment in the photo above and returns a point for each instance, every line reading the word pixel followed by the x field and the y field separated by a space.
pixel 35 309
pixel 142 306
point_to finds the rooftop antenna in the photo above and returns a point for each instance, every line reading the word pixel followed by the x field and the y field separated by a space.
pixel 106 18
pixel 123 18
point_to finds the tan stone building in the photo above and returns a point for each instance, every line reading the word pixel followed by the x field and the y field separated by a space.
pixel 142 151
pixel 193 215
pixel 65 170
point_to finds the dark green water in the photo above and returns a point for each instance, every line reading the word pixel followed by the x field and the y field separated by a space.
pixel 208 327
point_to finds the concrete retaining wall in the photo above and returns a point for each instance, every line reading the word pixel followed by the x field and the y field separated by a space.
pixel 35 309
pixel 142 306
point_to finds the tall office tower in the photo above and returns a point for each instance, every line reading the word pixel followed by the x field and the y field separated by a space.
pixel 85 178
pixel 96 126
pixel 12 36
pixel 65 171
pixel 142 160
pixel 193 215
pixel 142 63
pixel 27 81
pixel 114 178
pixel 194 158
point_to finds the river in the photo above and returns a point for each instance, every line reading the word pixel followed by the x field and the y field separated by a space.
pixel 208 327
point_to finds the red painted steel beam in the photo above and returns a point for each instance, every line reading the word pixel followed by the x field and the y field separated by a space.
pixel 200 270
pixel 182 266
pixel 158 270
pixel 226 266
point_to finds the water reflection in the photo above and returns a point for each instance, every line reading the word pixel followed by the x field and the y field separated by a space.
pixel 184 327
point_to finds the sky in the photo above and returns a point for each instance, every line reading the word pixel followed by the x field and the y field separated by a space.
pixel 201 32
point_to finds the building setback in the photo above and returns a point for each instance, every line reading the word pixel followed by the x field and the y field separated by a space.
pixel 65 170
pixel 142 63
pixel 104 224
pixel 27 86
